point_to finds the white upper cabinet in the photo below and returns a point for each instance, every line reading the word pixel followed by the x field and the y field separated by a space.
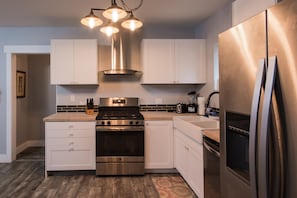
pixel 74 61
pixel 173 61
pixel 190 61
pixel 244 9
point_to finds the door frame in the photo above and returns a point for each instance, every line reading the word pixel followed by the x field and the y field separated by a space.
pixel 11 51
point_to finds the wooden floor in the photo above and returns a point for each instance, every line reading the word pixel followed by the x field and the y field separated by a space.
pixel 25 178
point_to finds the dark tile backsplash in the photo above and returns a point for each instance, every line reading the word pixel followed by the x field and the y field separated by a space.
pixel 74 108
pixel 161 107
pixel 148 107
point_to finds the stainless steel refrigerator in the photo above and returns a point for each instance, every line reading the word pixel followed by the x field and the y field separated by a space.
pixel 258 105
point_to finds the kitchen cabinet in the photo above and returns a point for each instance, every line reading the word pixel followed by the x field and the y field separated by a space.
pixel 173 61
pixel 69 146
pixel 188 160
pixel 158 144
pixel 74 61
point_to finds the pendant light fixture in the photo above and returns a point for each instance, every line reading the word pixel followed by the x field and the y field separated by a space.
pixel 114 14
pixel 132 23
pixel 109 29
pixel 91 20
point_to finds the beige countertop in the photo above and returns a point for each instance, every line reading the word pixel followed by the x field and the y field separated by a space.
pixel 212 134
pixel 162 115
pixel 83 117
pixel 70 117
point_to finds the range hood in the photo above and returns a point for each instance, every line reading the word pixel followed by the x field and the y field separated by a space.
pixel 118 63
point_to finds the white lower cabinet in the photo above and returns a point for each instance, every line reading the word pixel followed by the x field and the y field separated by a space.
pixel 158 144
pixel 69 146
pixel 188 160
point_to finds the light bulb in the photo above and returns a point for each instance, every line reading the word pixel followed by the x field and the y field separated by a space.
pixel 114 16
pixel 109 30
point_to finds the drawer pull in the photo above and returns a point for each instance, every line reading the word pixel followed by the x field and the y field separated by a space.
pixel 71 143
pixel 70 126
pixel 71 149
pixel 71 135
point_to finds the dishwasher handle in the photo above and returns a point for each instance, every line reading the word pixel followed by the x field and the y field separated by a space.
pixel 210 149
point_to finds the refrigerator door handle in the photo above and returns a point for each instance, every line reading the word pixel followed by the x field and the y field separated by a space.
pixel 253 126
pixel 265 119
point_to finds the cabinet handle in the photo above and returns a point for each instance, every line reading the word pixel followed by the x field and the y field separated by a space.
pixel 70 126
pixel 187 148
pixel 71 149
pixel 71 135
pixel 71 143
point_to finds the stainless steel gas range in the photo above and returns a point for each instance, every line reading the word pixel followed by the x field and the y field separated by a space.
pixel 119 137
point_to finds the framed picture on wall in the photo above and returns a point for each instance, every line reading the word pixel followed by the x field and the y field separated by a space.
pixel 20 84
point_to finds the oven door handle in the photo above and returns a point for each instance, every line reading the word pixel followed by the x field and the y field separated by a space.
pixel 119 128
pixel 212 150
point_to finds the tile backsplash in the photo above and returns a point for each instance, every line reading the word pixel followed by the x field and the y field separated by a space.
pixel 147 107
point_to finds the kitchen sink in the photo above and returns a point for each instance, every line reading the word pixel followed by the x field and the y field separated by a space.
pixel 193 126
pixel 206 124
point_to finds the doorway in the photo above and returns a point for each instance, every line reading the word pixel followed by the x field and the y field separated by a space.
pixel 11 112
pixel 36 102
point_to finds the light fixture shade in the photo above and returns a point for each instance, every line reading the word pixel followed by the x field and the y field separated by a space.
pixel 132 23
pixel 114 13
pixel 91 20
pixel 109 29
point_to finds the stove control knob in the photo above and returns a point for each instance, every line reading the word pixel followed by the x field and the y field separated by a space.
pixel 108 122
pixel 102 123
pixel 131 122
pixel 136 123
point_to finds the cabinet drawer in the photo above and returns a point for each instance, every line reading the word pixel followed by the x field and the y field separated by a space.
pixel 69 125
pixel 70 129
pixel 69 143
pixel 70 160
pixel 62 133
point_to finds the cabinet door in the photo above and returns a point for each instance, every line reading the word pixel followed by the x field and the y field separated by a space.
pixel 158 144
pixel 180 153
pixel 158 61
pixel 62 61
pixel 190 60
pixel 74 62
pixel 85 61
pixel 195 166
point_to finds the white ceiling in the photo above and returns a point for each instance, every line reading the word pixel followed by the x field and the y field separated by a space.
pixel 69 12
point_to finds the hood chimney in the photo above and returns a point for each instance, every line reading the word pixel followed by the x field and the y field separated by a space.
pixel 118 58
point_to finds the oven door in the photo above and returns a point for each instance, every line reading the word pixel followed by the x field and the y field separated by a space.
pixel 119 141
pixel 119 150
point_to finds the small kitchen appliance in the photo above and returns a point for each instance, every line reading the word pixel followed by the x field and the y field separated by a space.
pixel 119 137
pixel 181 108
pixel 192 107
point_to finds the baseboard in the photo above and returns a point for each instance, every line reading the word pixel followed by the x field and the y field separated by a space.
pixel 4 158
pixel 30 143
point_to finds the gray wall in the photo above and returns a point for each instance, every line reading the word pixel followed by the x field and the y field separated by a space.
pixel 43 35
pixel 40 98
pixel 41 95
pixel 209 29
pixel 22 108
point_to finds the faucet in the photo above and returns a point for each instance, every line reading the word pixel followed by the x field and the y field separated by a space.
pixel 209 97
pixel 209 110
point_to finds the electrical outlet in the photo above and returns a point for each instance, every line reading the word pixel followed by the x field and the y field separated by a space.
pixel 158 101
pixel 72 98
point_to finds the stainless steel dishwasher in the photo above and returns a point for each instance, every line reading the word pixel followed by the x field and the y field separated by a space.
pixel 211 157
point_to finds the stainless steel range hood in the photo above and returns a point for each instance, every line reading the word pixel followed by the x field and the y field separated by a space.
pixel 118 58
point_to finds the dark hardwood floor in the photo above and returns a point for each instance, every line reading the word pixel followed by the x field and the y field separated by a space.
pixel 25 178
